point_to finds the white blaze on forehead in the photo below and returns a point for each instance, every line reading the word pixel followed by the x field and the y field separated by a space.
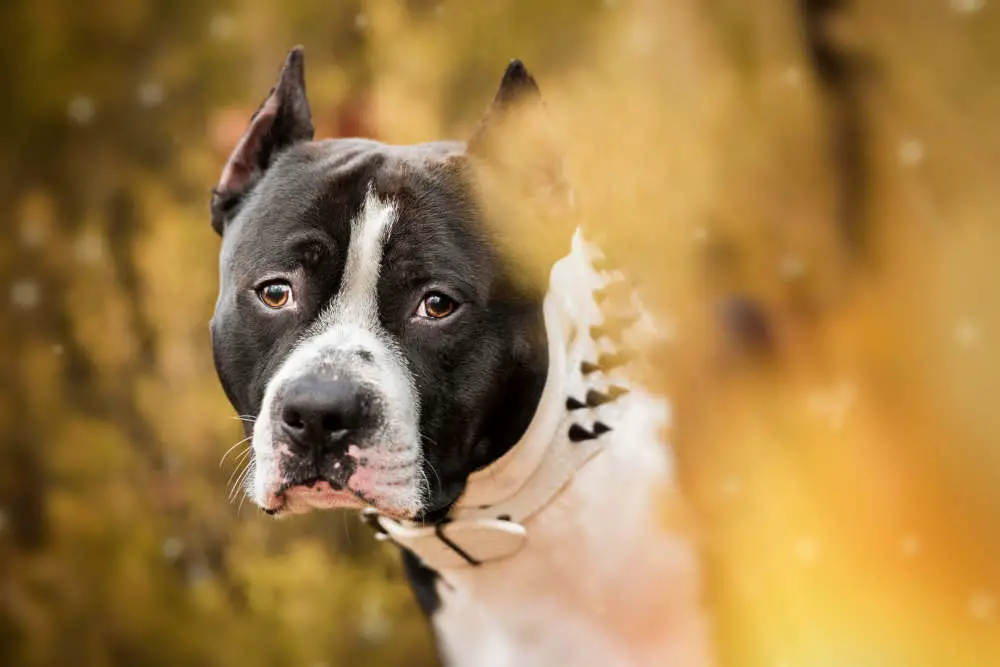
pixel 357 302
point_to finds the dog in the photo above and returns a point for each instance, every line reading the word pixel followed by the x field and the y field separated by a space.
pixel 396 361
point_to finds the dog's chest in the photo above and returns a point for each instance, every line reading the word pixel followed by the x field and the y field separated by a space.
pixel 604 579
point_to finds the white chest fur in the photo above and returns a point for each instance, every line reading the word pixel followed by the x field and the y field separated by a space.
pixel 601 582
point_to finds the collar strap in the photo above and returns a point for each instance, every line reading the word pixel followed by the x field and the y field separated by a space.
pixel 489 521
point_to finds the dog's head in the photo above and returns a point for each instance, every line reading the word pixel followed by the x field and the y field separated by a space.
pixel 368 320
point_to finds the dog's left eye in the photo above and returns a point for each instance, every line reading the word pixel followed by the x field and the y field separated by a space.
pixel 275 294
pixel 436 306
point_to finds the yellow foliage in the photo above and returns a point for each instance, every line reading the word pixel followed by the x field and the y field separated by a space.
pixel 844 484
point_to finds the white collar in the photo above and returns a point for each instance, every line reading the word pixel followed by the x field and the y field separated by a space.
pixel 489 521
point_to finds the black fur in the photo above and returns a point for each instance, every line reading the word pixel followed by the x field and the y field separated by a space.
pixel 423 581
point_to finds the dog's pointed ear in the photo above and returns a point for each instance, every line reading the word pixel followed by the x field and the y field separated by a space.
pixel 282 120
pixel 520 179
pixel 516 137
pixel 517 90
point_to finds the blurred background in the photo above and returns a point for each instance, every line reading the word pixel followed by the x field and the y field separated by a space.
pixel 806 191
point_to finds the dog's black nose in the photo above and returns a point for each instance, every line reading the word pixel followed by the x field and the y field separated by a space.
pixel 321 413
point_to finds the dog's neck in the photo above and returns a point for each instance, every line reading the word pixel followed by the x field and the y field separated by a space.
pixel 576 409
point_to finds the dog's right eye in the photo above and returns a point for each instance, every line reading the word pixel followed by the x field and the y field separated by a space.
pixel 436 306
pixel 276 294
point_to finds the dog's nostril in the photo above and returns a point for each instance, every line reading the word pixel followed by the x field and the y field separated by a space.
pixel 292 418
pixel 331 423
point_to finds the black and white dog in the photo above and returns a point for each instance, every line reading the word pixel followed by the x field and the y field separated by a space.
pixel 396 362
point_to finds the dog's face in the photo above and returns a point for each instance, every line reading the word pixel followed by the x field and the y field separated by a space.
pixel 365 319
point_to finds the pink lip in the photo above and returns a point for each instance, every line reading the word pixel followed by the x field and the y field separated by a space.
pixel 321 495
pixel 360 492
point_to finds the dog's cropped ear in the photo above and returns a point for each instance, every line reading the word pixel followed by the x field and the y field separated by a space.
pixel 282 120
pixel 518 168
pixel 516 139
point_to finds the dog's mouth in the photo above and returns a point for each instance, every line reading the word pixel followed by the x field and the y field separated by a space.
pixel 297 497
pixel 295 484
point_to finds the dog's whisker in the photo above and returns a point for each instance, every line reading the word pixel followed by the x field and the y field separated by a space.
pixel 241 460
pixel 240 479
pixel 236 491
pixel 436 475
pixel 228 451
pixel 229 483
pixel 233 489
pixel 426 494
pixel 243 498
pixel 246 474
pixel 424 482
pixel 238 469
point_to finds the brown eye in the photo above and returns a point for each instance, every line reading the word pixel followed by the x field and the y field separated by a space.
pixel 436 306
pixel 275 295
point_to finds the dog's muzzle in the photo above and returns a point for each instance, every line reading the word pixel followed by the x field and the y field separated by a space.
pixel 338 428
